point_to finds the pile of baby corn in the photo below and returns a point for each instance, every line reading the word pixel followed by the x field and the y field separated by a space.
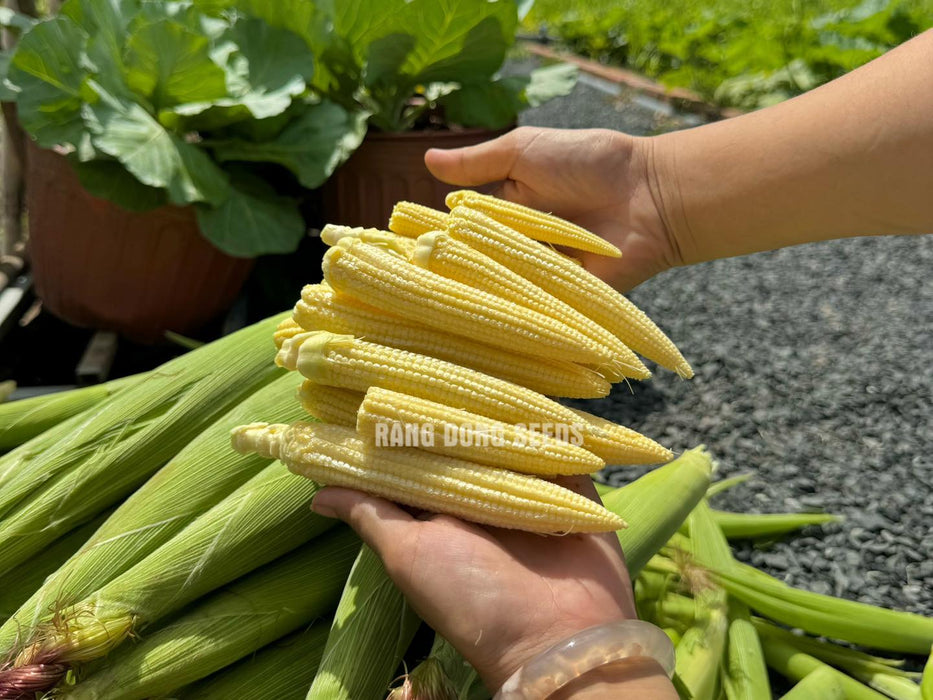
pixel 463 324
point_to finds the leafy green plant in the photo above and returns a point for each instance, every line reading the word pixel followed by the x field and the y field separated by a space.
pixel 238 106
pixel 744 53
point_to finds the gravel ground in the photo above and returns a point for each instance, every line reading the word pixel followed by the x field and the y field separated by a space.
pixel 813 372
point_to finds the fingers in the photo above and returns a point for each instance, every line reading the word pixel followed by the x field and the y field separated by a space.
pixel 477 165
pixel 377 521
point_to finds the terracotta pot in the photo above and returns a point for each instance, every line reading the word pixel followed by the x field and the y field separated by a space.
pixel 388 167
pixel 140 274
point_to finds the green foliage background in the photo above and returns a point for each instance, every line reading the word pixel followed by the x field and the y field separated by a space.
pixel 743 53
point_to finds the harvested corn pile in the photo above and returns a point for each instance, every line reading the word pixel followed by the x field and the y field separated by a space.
pixel 396 344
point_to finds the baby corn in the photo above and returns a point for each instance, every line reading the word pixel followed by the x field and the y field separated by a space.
pixel 440 253
pixel 569 283
pixel 410 219
pixel 533 223
pixel 320 308
pixel 459 433
pixel 617 444
pixel 347 363
pixel 384 280
pixel 334 455
pixel 330 404
pixel 332 234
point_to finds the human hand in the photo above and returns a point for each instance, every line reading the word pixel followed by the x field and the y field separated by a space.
pixel 597 178
pixel 500 597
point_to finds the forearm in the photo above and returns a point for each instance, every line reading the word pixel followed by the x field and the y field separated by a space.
pixel 853 157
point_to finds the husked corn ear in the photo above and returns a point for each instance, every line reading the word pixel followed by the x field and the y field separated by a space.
pixel 410 219
pixel 569 283
pixel 470 436
pixel 348 363
pixel 533 223
pixel 438 252
pixel 285 330
pixel 330 404
pixel 321 308
pixel 384 280
pixel 334 455
pixel 332 234
pixel 617 444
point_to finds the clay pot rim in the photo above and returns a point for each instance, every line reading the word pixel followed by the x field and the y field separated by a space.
pixel 428 134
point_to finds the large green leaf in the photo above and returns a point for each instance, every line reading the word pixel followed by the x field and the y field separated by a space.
pixel 252 221
pixel 157 158
pixel 454 40
pixel 171 65
pixel 109 180
pixel 311 147
pixel 496 104
pixel 15 20
pixel 460 40
pixel 49 77
pixel 266 69
pixel 106 23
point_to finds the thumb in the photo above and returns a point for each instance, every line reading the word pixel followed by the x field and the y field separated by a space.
pixel 489 161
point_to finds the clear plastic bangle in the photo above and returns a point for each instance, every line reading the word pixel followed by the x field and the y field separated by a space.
pixel 586 650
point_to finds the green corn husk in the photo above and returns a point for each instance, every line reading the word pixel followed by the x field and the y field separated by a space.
pixel 671 610
pixel 197 478
pixel 282 670
pixel 657 601
pixel 656 504
pixel 926 684
pixel 22 420
pixel 795 665
pixel 738 526
pixel 263 519
pixel 879 673
pixel 371 631
pixel 699 654
pixel 6 388
pixel 728 483
pixel 822 684
pixel 229 624
pixel 18 585
pixel 703 646
pixel 746 672
pixel 745 675
pixel 823 615
pixel 119 444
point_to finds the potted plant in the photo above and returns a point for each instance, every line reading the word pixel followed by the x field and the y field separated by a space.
pixel 175 140
pixel 427 74
pixel 153 108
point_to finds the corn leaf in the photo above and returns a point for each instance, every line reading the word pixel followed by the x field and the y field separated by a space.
pixel 282 670
pixel 372 628
pixel 229 624
pixel 111 450
pixel 196 479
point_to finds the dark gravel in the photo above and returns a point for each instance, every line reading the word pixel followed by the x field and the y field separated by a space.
pixel 813 372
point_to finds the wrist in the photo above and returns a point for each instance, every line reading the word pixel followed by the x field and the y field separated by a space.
pixel 665 195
